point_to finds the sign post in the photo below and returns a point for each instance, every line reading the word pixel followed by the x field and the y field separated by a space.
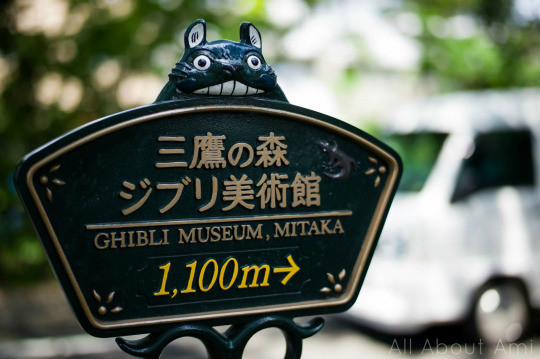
pixel 221 203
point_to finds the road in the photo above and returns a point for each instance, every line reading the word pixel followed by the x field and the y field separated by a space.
pixel 37 323
pixel 337 340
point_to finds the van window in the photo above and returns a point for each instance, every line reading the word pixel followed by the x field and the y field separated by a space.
pixel 502 158
pixel 419 151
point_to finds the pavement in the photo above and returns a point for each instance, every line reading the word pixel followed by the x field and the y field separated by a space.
pixel 36 322
pixel 35 312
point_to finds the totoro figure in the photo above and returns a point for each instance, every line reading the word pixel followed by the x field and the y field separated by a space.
pixel 222 67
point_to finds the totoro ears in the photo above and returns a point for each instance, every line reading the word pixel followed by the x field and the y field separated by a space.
pixel 250 35
pixel 195 34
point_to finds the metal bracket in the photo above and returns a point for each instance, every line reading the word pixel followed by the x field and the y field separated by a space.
pixel 227 345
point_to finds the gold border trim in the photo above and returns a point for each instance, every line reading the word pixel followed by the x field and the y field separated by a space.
pixel 356 272
pixel 218 220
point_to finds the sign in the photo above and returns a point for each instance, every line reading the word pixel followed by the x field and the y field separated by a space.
pixel 208 209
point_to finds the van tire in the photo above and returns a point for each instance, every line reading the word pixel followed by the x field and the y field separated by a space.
pixel 501 312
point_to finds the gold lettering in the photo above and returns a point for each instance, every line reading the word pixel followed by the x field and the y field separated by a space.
pixel 272 152
pixel 199 230
pixel 281 232
pixel 189 289
pixel 209 147
pixel 254 234
pixel 214 276
pixel 162 290
pixel 338 228
pixel 142 238
pixel 131 244
pixel 122 239
pixel 233 277
pixel 198 194
pixel 227 233
pixel 273 191
pixel 238 191
pixel 313 229
pixel 256 269
pixel 152 243
pixel 165 237
pixel 303 224
pixel 190 238
pixel 105 242
pixel 324 227
pixel 171 151
pixel 216 235
pixel 236 236
pixel 239 148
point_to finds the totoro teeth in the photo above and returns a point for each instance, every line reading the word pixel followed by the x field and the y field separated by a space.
pixel 215 90
pixel 251 91
pixel 239 89
pixel 203 91
pixel 229 88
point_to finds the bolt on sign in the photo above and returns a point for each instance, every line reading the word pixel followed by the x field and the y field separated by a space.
pixel 219 202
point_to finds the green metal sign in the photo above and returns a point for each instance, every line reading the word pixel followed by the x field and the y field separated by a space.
pixel 210 209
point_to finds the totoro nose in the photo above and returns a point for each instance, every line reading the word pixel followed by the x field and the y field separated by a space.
pixel 232 68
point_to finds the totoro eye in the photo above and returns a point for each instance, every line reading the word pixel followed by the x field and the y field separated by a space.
pixel 202 62
pixel 254 62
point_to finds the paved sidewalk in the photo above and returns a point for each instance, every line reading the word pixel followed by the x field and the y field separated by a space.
pixel 34 312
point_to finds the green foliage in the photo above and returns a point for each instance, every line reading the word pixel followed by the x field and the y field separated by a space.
pixel 504 51
pixel 472 63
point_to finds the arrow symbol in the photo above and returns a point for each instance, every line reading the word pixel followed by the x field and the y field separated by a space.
pixel 292 270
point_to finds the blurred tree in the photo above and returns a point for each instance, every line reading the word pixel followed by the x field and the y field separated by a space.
pixel 478 44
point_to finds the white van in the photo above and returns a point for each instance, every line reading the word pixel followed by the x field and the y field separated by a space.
pixel 462 239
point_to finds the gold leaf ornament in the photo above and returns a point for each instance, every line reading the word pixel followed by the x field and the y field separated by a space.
pixel 110 298
pixel 96 295
pixel 335 286
pixel 58 182
pixel 330 278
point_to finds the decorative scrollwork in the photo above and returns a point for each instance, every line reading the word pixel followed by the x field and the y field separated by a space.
pixel 229 345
